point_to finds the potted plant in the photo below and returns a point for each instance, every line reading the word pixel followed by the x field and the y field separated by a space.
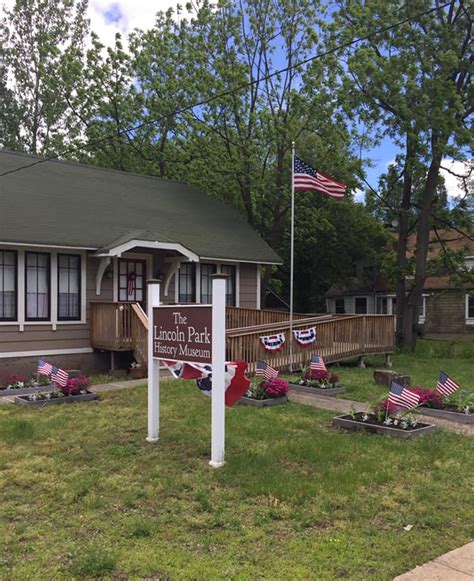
pixel 75 390
pixel 266 393
pixel 458 407
pixel 385 418
pixel 317 381
pixel 137 370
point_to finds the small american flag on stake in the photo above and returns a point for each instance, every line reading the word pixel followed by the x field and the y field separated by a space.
pixel 402 397
pixel 317 363
pixel 44 368
pixel 308 178
pixel 445 385
pixel 59 376
pixel 266 370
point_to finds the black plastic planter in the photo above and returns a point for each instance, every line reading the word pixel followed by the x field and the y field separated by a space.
pixel 89 396
pixel 263 403
pixel 330 391
pixel 447 415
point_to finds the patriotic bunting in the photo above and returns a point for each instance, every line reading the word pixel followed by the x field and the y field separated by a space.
pixel 273 342
pixel 402 397
pixel 445 385
pixel 305 336
pixel 236 383
pixel 264 369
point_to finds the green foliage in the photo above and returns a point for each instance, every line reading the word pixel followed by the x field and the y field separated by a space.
pixel 93 561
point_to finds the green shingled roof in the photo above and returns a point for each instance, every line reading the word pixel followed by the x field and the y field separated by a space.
pixel 70 204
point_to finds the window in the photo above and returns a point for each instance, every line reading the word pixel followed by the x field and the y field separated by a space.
pixel 470 309
pixel 8 286
pixel 340 306
pixel 69 287
pixel 37 269
pixel 206 282
pixel 131 281
pixel 422 315
pixel 382 305
pixel 230 296
pixel 187 283
pixel 361 305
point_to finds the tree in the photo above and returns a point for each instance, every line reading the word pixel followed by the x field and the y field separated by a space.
pixel 414 82
pixel 43 40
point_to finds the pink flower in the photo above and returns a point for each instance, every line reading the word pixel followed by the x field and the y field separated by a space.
pixel 274 388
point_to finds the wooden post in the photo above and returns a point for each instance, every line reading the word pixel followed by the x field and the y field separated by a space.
pixel 153 367
pixel 218 370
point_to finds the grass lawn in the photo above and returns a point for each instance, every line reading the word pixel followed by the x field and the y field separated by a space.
pixel 83 494
pixel 423 366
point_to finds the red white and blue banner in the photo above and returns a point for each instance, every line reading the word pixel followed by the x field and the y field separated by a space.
pixel 236 383
pixel 305 336
pixel 273 342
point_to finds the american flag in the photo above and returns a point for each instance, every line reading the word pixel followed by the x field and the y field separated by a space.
pixel 266 370
pixel 402 397
pixel 317 363
pixel 308 178
pixel 44 368
pixel 445 385
pixel 59 376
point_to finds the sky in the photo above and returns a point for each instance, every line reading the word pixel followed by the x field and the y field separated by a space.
pixel 110 16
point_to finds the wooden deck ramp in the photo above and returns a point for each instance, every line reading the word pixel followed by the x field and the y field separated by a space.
pixel 123 327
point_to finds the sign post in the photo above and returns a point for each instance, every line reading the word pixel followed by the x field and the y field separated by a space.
pixel 218 370
pixel 153 366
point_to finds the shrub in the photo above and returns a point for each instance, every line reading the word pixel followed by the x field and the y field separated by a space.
pixel 429 397
pixel 274 388
pixel 75 385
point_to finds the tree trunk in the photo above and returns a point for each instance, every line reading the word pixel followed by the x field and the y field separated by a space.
pixel 403 231
pixel 414 297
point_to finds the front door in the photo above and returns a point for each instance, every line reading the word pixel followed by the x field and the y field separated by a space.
pixel 132 281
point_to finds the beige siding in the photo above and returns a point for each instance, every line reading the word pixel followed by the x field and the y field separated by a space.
pixel 248 286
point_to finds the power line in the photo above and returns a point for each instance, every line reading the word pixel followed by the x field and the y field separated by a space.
pixel 230 92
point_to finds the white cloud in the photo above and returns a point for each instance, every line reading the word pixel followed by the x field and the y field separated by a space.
pixel 450 180
pixel 110 16
pixel 134 14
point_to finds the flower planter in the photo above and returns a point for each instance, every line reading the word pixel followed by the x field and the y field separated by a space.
pixel 262 403
pixel 26 390
pixel 89 396
pixel 452 416
pixel 330 391
pixel 348 423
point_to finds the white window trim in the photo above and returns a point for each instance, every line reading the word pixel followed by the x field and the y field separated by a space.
pixel 132 255
pixel 53 288
pixel 197 281
pixel 469 320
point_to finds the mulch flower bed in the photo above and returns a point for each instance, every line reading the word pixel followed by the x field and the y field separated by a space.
pixel 319 382
pixel 75 390
pixel 458 407
pixel 266 393
pixel 20 385
pixel 371 423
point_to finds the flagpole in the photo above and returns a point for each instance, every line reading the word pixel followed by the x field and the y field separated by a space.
pixel 292 250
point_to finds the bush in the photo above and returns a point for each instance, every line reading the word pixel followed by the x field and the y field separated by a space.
pixel 275 388
pixel 429 397
pixel 75 385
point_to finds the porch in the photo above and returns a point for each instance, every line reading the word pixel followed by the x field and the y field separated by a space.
pixel 123 327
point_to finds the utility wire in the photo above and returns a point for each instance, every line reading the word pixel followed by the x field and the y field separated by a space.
pixel 231 91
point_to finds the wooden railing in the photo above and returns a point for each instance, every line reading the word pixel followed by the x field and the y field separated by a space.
pixel 337 339
pixel 238 317
pixel 124 328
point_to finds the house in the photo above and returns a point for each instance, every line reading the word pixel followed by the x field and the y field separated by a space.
pixel 78 243
pixel 446 312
